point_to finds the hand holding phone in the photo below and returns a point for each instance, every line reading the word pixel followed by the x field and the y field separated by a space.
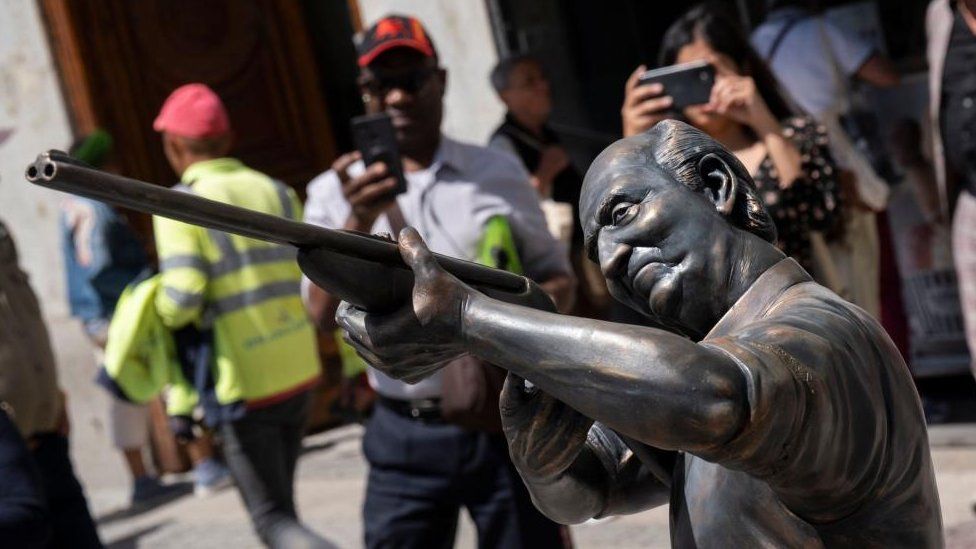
pixel 688 83
pixel 375 139
pixel 643 106
pixel 374 190
pixel 737 97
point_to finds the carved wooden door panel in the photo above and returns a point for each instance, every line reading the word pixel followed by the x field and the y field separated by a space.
pixel 120 59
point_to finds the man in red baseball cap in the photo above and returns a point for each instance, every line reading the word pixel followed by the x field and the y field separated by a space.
pixel 426 460
pixel 242 297
pixel 194 125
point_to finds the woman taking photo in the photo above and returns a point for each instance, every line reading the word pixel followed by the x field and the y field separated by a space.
pixel 786 154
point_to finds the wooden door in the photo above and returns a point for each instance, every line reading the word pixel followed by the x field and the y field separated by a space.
pixel 120 59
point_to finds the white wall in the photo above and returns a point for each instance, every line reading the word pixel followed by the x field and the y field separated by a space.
pixel 31 104
pixel 461 32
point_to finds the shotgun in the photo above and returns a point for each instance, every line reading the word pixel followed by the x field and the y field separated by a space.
pixel 365 270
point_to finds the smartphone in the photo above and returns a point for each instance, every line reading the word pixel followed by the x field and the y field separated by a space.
pixel 687 83
pixel 375 139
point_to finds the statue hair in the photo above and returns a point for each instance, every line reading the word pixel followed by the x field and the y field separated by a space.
pixel 678 147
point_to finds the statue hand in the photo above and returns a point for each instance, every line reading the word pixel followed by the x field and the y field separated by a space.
pixel 544 435
pixel 422 336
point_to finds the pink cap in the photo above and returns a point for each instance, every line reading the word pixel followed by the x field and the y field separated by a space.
pixel 194 111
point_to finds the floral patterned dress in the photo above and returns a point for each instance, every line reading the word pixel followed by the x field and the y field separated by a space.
pixel 811 201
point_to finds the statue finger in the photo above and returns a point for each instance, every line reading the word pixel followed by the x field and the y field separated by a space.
pixel 417 375
pixel 364 352
pixel 389 329
pixel 352 320
pixel 427 359
pixel 515 398
pixel 416 254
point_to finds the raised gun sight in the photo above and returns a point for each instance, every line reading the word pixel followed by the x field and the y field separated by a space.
pixel 363 269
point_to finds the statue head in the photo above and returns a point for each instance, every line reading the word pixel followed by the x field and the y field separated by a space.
pixel 668 215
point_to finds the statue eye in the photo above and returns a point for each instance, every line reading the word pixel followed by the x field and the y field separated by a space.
pixel 622 213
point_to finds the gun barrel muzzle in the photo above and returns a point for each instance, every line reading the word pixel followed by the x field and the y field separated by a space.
pixel 56 170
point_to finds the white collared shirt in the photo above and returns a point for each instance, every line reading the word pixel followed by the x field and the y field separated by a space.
pixel 449 203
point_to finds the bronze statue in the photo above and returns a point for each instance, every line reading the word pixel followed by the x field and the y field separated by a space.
pixel 766 409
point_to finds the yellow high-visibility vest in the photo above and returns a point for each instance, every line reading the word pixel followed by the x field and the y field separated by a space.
pixel 140 357
pixel 245 289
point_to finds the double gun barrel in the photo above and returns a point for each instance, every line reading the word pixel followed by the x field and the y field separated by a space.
pixel 363 269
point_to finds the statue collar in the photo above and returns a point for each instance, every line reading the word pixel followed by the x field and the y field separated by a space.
pixel 763 294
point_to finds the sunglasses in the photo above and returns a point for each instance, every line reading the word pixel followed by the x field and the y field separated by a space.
pixel 410 82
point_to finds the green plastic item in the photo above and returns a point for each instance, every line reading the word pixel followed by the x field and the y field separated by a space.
pixel 496 249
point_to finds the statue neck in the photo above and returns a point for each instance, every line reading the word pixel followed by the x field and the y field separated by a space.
pixel 750 257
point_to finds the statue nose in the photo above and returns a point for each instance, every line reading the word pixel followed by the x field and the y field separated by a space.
pixel 614 257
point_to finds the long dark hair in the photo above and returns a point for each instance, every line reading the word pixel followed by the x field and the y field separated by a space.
pixel 717 25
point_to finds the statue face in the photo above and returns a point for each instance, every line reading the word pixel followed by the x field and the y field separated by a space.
pixel 657 241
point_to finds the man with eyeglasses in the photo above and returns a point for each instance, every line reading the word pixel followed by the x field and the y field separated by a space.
pixel 423 468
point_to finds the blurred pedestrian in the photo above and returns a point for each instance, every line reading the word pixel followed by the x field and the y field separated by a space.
pixel 521 83
pixel 814 61
pixel 102 255
pixel 951 28
pixel 523 87
pixel 786 154
pixel 423 468
pixel 906 144
pixel 922 249
pixel 246 292
pixel 29 395
pixel 808 54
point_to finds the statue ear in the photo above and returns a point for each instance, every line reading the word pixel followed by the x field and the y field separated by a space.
pixel 719 181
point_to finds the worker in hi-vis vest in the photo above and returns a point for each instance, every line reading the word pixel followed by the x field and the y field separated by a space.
pixel 265 359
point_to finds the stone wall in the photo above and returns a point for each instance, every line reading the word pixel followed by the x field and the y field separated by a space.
pixel 31 106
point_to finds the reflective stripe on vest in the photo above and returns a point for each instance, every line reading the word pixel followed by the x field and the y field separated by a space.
pixel 241 300
pixel 185 261
pixel 286 206
pixel 232 260
pixel 183 300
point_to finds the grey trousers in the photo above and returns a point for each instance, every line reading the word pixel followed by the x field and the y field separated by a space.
pixel 261 451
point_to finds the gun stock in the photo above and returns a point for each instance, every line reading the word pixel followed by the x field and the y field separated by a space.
pixel 362 269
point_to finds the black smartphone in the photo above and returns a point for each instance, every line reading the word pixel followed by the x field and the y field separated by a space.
pixel 375 139
pixel 687 83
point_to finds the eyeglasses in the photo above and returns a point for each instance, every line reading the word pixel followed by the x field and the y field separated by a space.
pixel 410 82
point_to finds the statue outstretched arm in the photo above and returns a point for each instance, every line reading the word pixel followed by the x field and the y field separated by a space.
pixel 650 385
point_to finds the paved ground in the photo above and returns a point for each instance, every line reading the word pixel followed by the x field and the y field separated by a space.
pixel 330 484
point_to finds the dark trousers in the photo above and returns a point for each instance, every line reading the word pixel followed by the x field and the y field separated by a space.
pixel 24 517
pixel 261 450
pixel 71 523
pixel 421 474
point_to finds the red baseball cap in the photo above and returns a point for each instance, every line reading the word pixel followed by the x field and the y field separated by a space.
pixel 393 31
pixel 194 111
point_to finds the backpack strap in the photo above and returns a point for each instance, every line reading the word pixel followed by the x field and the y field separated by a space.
pixel 787 27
